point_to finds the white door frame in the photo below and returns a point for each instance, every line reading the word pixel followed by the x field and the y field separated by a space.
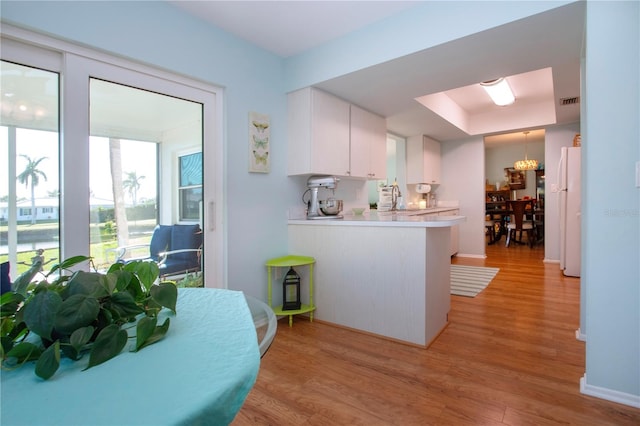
pixel 76 64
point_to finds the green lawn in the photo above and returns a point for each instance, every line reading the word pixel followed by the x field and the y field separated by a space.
pixel 102 252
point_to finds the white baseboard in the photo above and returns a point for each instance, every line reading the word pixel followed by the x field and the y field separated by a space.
pixel 473 256
pixel 545 260
pixel 580 336
pixel 609 394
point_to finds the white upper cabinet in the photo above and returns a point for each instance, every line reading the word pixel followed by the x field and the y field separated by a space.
pixel 368 144
pixel 327 135
pixel 423 160
pixel 318 133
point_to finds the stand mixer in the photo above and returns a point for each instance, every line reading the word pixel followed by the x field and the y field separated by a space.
pixel 328 209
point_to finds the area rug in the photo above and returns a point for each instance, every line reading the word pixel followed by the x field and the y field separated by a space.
pixel 470 280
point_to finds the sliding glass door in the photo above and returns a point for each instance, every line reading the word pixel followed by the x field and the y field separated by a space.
pixel 131 157
pixel 145 167
pixel 29 185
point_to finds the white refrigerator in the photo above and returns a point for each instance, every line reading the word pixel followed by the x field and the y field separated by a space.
pixel 570 209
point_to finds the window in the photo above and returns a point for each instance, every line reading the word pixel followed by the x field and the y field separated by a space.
pixel 190 186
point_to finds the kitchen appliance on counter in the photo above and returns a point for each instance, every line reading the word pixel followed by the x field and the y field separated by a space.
pixel 385 198
pixel 428 200
pixel 389 198
pixel 323 209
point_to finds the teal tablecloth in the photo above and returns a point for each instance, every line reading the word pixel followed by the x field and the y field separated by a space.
pixel 199 374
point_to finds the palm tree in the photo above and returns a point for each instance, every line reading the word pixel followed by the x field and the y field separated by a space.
pixel 132 185
pixel 115 160
pixel 31 176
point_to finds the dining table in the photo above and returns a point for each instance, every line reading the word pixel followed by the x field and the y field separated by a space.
pixel 502 216
pixel 199 374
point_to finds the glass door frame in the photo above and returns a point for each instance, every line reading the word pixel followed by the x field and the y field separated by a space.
pixel 76 66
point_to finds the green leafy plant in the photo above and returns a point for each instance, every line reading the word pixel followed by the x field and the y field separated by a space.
pixel 81 313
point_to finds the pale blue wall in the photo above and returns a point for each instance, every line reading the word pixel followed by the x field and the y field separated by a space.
pixel 429 24
pixel 159 34
pixel 611 202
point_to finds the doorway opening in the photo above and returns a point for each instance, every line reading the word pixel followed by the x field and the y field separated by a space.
pixel 505 184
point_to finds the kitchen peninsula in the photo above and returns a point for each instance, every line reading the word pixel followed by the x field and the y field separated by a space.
pixel 386 274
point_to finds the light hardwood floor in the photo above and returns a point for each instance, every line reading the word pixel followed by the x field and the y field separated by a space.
pixel 508 357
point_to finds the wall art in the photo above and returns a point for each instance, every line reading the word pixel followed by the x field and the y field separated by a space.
pixel 259 143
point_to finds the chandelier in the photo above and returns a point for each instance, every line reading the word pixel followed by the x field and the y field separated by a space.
pixel 525 164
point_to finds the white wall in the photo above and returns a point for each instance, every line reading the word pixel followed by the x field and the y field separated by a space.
pixel 499 158
pixel 463 180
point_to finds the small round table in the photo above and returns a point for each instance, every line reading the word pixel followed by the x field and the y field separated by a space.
pixel 265 321
pixel 287 262
pixel 200 373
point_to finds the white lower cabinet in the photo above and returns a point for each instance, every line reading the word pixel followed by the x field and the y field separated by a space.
pixel 390 281
pixel 455 231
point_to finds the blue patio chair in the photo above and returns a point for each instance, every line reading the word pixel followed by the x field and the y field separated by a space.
pixel 177 249
pixel 5 278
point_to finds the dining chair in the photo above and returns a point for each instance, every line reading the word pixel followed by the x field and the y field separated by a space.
pixel 538 224
pixel 518 223
pixel 490 230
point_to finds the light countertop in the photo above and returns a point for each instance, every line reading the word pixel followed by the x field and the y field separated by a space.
pixel 427 218
pixel 415 212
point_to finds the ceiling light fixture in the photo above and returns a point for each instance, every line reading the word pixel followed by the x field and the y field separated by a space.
pixel 525 164
pixel 499 91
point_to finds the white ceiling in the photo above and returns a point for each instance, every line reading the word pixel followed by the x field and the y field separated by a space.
pixel 547 44
pixel 287 28
pixel 549 40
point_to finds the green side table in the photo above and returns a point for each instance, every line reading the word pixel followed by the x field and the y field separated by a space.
pixel 286 262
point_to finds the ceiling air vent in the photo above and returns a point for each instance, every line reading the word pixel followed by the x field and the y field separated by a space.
pixel 570 101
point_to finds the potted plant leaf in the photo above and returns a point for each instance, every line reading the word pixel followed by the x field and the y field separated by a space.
pixel 81 313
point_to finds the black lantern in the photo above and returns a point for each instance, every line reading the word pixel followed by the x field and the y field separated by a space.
pixel 291 291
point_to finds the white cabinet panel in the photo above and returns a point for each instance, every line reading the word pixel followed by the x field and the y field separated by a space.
pixel 423 160
pixel 390 281
pixel 327 135
pixel 455 231
pixel 318 133
pixel 368 144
